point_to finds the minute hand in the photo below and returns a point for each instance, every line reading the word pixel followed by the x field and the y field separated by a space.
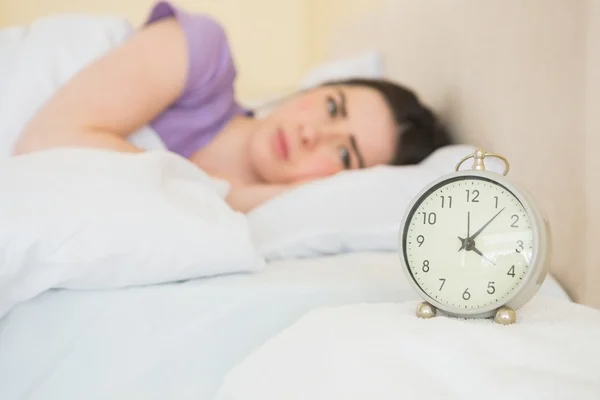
pixel 487 223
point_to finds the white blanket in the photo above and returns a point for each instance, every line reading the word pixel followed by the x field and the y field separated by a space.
pixel 383 351
pixel 91 219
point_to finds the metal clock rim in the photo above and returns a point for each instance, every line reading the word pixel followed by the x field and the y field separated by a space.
pixel 538 267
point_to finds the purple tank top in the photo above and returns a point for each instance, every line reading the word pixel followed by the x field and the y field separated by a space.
pixel 208 100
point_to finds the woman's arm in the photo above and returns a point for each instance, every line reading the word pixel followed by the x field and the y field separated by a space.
pixel 247 197
pixel 114 96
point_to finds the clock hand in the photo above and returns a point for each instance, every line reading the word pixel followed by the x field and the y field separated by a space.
pixel 464 241
pixel 468 222
pixel 487 223
pixel 476 250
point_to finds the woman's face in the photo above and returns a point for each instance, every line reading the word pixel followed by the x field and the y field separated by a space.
pixel 322 132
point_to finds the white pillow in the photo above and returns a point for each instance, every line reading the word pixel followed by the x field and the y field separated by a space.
pixel 349 212
pixel 363 65
pixel 94 219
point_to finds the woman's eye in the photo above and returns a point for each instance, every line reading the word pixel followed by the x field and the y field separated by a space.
pixel 332 107
pixel 345 157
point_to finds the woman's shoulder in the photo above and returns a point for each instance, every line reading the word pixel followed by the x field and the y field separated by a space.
pixel 198 22
pixel 211 64
pixel 208 100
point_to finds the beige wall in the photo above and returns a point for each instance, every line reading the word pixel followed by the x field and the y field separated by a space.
pixel 326 16
pixel 592 171
pixel 274 41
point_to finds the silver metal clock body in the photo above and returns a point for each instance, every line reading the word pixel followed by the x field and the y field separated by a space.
pixel 472 242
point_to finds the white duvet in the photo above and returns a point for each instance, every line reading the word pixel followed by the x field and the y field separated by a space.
pixel 93 219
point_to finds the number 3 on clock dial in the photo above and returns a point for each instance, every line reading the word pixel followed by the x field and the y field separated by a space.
pixel 468 242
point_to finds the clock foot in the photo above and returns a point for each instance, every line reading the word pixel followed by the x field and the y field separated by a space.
pixel 426 310
pixel 505 316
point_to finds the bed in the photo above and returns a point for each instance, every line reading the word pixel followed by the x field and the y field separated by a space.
pixel 210 332
pixel 179 341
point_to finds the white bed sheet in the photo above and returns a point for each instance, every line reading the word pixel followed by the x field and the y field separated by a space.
pixel 178 341
pixel 384 352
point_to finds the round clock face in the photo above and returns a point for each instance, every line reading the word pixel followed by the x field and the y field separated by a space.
pixel 468 243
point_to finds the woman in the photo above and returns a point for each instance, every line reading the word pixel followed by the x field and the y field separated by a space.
pixel 177 75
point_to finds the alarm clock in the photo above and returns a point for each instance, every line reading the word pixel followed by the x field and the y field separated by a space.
pixel 473 244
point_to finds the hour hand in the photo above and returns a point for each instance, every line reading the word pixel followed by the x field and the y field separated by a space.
pixel 464 241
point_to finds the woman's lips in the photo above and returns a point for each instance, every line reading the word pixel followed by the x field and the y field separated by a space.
pixel 281 145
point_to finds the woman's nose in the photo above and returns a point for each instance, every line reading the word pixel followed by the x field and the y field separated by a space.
pixel 308 136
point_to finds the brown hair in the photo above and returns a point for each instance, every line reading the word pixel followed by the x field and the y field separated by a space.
pixel 420 131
